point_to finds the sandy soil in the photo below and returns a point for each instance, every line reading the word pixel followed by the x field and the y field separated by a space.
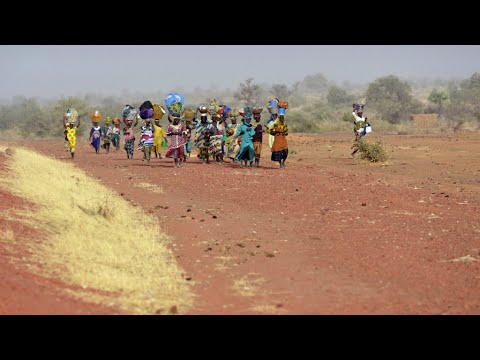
pixel 327 235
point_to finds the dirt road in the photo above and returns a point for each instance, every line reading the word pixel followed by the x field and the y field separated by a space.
pixel 327 235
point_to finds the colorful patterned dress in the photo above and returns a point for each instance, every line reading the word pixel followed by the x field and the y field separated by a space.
pixel 95 137
pixel 147 141
pixel 158 136
pixel 271 138
pixel 116 131
pixel 203 133
pixel 188 140
pixel 257 139
pixel 280 145
pixel 231 143
pixel 177 141
pixel 129 136
pixel 216 139
pixel 72 138
pixel 107 134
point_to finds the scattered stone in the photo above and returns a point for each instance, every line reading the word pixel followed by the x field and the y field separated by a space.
pixel 214 216
pixel 188 210
pixel 173 310
pixel 269 254
pixel 188 278
pixel 466 258
pixel 364 204
pixel 159 311
pixel 9 151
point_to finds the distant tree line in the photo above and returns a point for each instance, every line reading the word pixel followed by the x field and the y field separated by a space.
pixel 312 101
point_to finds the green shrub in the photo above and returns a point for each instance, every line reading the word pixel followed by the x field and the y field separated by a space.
pixel 348 117
pixel 372 152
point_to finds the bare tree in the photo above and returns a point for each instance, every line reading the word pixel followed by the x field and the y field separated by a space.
pixel 281 91
pixel 248 92
pixel 314 83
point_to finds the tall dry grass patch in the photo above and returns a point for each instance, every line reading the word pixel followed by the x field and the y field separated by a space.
pixel 7 235
pixel 115 252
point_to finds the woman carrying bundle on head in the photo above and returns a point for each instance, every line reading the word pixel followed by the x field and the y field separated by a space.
pixel 71 123
pixel 279 130
pixel 147 136
pixel 216 138
pixel 159 135
pixel 231 143
pixel 246 153
pixel 203 132
pixel 116 131
pixel 95 131
pixel 130 120
pixel 360 125
pixel 189 116
pixel 177 133
pixel 272 108
pixel 107 134
pixel 258 137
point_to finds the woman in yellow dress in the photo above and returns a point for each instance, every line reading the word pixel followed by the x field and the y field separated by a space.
pixel 159 136
pixel 71 134
pixel 280 145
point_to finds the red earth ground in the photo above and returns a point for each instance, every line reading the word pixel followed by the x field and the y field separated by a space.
pixel 327 235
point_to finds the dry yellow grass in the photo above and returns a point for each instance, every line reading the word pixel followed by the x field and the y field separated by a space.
pixel 224 262
pixel 97 240
pixel 248 285
pixel 268 309
pixel 150 187
pixel 7 235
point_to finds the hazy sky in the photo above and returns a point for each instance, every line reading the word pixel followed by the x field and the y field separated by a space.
pixel 53 71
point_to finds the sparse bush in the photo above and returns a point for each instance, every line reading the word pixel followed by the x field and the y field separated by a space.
pixel 438 97
pixel 372 152
pixel 348 117
pixel 392 98
pixel 338 96
pixel 281 91
pixel 301 122
pixel 314 83
pixel 463 105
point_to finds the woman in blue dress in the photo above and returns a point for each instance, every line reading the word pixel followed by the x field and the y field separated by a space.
pixel 246 132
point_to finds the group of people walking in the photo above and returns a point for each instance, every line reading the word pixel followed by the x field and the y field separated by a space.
pixel 217 131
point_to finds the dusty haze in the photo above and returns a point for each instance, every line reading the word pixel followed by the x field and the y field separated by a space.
pixel 73 70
